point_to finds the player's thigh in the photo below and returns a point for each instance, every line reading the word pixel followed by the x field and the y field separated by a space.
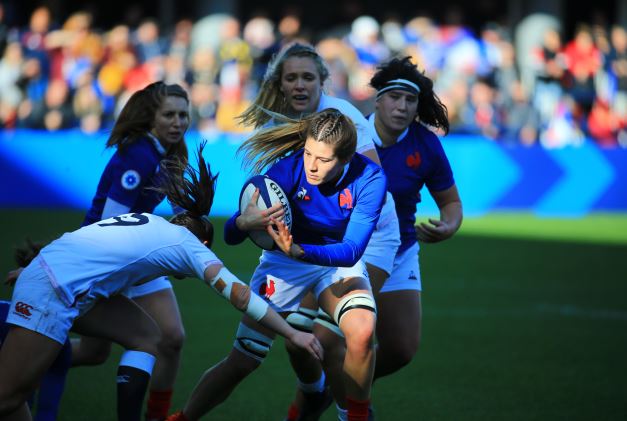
pixel 399 317
pixel 164 310
pixel 25 357
pixel 120 320
pixel 377 277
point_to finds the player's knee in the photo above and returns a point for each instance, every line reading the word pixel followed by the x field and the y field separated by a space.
pixel 147 339
pixel 172 341
pixel 356 316
pixel 403 350
pixel 99 355
pixel 252 344
pixel 359 337
pixel 10 400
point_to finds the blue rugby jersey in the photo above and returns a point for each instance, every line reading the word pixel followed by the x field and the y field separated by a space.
pixel 416 159
pixel 332 223
pixel 126 178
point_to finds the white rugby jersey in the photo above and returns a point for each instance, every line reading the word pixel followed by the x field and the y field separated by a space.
pixel 106 257
pixel 364 135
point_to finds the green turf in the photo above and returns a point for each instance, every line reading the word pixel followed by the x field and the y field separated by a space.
pixel 596 228
pixel 515 328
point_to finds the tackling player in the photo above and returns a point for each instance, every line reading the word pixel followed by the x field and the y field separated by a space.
pixel 77 282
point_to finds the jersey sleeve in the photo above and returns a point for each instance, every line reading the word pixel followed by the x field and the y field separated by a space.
pixel 232 234
pixel 130 172
pixel 441 177
pixel 358 231
pixel 196 257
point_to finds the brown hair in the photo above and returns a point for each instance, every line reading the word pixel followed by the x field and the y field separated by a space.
pixel 431 110
pixel 269 145
pixel 192 190
pixel 270 96
pixel 138 116
pixel 26 253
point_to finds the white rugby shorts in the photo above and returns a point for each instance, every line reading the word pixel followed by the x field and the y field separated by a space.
pixel 149 287
pixel 284 281
pixel 406 272
pixel 385 239
pixel 36 306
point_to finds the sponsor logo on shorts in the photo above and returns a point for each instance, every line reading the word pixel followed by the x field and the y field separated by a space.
pixel 123 378
pixel 412 276
pixel 130 179
pixel 346 199
pixel 23 310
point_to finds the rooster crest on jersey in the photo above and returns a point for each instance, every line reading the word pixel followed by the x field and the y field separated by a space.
pixel 269 194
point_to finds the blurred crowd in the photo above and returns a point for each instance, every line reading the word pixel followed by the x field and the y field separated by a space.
pixel 522 85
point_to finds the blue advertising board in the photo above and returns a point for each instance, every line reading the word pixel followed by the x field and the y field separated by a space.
pixel 62 169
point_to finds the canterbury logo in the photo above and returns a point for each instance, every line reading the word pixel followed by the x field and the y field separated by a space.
pixel 23 309
pixel 346 199
pixel 414 160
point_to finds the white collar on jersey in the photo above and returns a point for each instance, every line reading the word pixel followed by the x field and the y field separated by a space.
pixel 157 144
pixel 375 136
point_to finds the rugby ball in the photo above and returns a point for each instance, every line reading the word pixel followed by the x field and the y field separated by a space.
pixel 269 194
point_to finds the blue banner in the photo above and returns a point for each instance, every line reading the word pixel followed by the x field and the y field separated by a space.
pixel 61 170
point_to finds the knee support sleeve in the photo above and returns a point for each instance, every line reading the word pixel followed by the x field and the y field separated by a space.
pixel 252 343
pixel 302 320
pixel 351 302
pixel 231 288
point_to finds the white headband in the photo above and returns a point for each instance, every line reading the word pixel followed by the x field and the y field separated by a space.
pixel 400 84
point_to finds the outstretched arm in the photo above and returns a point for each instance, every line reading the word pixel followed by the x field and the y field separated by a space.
pixel 243 299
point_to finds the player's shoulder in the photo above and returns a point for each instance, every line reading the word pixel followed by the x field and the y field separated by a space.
pixel 420 132
pixel 142 148
pixel 344 106
pixel 140 155
pixel 368 169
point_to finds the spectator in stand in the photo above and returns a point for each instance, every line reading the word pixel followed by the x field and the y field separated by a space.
pixel 480 115
pixel 604 124
pixel 10 94
pixel 520 119
pixel 618 70
pixel 583 61
pixel 551 67
pixel 563 129
pixel 33 40
pixel 52 113
pixel 148 43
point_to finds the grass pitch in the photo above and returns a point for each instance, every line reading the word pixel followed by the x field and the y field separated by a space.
pixel 524 319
